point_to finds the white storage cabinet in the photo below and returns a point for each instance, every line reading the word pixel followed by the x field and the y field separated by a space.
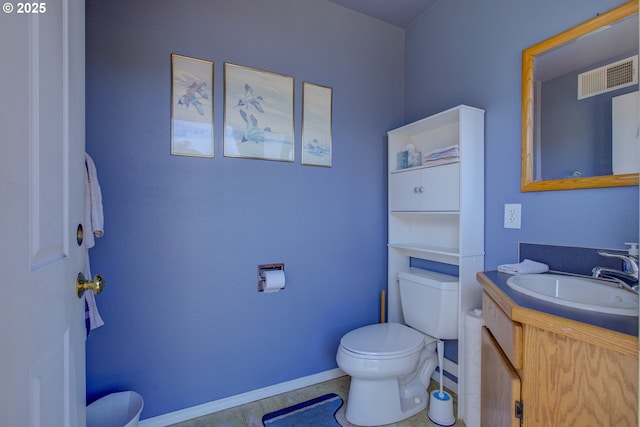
pixel 436 212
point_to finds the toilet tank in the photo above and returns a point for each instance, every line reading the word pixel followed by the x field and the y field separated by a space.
pixel 430 302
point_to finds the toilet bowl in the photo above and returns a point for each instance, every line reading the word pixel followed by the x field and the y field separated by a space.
pixel 391 364
pixel 121 409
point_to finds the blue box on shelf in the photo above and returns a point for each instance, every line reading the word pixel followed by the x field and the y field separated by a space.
pixel 402 160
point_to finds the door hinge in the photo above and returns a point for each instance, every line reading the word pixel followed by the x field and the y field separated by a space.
pixel 518 408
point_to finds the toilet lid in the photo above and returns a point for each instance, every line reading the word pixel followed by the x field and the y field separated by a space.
pixel 383 339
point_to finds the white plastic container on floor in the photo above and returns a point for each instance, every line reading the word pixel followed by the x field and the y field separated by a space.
pixel 115 410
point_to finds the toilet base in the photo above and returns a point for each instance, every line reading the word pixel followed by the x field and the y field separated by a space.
pixel 379 402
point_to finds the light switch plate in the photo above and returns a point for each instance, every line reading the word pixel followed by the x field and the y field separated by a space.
pixel 512 212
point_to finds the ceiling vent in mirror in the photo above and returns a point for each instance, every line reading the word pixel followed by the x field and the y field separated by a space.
pixel 610 77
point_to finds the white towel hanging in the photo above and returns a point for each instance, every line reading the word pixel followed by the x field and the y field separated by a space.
pixel 93 198
pixel 93 227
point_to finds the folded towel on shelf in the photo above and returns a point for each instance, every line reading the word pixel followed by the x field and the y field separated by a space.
pixel 525 267
pixel 452 149
pixel 443 155
pixel 93 227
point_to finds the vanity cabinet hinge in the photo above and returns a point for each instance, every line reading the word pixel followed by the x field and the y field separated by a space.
pixel 518 408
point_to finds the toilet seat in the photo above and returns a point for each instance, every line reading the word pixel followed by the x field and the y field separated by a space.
pixel 383 340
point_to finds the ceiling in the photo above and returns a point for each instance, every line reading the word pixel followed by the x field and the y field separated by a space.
pixel 400 13
pixel 608 43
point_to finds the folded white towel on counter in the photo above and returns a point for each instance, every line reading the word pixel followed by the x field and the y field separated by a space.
pixel 525 267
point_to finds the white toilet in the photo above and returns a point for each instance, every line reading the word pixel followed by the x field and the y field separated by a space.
pixel 391 364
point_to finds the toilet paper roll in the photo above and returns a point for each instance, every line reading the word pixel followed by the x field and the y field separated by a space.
pixel 273 280
pixel 473 323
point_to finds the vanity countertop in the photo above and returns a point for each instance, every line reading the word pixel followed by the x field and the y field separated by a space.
pixel 598 328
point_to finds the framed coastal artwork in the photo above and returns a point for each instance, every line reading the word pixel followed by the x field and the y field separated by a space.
pixel 258 114
pixel 316 125
pixel 191 106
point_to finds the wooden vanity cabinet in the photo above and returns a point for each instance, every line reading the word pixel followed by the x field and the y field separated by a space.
pixel 554 371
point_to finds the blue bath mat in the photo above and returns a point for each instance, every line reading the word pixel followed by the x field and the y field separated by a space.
pixel 318 412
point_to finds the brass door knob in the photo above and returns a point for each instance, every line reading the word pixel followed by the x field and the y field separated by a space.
pixel 96 285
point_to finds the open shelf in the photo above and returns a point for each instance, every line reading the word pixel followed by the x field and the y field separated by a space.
pixel 424 213
pixel 425 166
pixel 433 253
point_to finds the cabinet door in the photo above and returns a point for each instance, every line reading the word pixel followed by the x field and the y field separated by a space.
pixel 404 191
pixel 435 188
pixel 440 188
pixel 500 386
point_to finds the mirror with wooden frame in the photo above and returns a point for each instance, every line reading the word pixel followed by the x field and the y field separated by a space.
pixel 551 70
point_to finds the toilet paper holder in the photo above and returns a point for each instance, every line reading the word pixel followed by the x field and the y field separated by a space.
pixel 266 267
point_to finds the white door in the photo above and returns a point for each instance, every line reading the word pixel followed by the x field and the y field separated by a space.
pixel 42 359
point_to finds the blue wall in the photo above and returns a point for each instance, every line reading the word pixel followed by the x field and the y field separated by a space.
pixel 466 51
pixel 184 323
pixel 183 236
pixel 577 135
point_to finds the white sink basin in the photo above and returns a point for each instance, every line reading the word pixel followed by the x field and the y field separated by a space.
pixel 577 292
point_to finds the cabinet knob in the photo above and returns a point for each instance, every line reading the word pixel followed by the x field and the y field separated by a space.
pixel 420 189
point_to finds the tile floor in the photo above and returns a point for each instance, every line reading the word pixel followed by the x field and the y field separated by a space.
pixel 250 414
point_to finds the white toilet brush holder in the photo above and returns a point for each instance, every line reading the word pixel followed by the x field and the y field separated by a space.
pixel 441 402
pixel 441 408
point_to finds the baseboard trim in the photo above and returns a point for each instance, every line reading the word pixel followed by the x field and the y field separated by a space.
pixel 239 399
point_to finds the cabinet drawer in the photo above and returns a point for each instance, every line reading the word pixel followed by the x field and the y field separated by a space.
pixel 506 332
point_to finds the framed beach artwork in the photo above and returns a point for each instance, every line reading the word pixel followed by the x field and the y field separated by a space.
pixel 258 114
pixel 191 106
pixel 316 125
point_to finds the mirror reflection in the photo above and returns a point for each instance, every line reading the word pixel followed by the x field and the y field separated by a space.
pixel 580 105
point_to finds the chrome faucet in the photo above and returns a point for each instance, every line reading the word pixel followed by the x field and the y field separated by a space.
pixel 626 278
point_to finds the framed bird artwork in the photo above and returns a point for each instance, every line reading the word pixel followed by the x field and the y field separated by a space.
pixel 316 124
pixel 258 114
pixel 191 106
